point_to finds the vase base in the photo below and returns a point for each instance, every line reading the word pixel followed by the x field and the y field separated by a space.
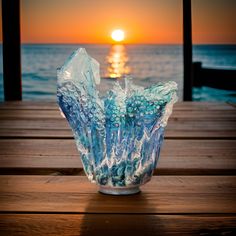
pixel 119 190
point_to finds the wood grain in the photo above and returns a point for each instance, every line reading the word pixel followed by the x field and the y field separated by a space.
pixel 171 194
pixel 185 199
pixel 189 120
pixel 185 157
pixel 80 184
pixel 116 225
pixel 58 128
pixel 52 105
pixel 12 114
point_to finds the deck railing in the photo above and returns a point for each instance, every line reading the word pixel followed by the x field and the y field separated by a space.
pixel 215 78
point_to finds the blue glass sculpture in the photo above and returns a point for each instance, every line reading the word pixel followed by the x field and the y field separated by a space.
pixel 120 135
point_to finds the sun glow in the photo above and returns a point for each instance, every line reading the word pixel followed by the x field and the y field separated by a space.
pixel 118 35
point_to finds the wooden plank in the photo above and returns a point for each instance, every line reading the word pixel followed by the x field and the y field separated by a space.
pixel 14 114
pixel 185 157
pixel 172 195
pixel 61 124
pixel 59 128
pixel 81 184
pixel 29 105
pixel 52 105
pixel 191 120
pixel 116 225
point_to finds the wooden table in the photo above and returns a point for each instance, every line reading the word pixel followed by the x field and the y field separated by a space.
pixel 44 190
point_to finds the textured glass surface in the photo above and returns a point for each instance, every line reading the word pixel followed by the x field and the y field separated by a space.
pixel 120 135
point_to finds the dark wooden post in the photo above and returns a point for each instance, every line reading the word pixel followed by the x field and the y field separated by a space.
pixel 187 33
pixel 11 50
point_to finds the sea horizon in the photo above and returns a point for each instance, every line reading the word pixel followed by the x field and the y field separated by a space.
pixel 146 63
pixel 151 44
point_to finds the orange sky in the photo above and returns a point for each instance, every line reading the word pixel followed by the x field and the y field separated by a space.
pixel 144 21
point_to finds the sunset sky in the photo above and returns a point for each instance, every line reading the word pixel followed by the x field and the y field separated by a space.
pixel 144 21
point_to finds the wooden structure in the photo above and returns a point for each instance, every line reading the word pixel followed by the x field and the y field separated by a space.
pixel 215 78
pixel 187 50
pixel 11 49
pixel 43 190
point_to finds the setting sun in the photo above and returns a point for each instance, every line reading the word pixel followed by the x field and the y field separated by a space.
pixel 118 35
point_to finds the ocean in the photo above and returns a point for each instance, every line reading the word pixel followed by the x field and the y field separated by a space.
pixel 146 64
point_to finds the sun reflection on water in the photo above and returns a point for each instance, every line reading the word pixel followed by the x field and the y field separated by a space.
pixel 117 61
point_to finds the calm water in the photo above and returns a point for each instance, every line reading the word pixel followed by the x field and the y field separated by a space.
pixel 147 64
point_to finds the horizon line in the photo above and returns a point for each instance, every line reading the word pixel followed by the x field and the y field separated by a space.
pixel 50 43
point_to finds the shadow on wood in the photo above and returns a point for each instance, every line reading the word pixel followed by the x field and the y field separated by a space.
pixel 120 224
pixel 215 78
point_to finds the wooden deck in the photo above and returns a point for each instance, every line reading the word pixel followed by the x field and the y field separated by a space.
pixel 44 190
